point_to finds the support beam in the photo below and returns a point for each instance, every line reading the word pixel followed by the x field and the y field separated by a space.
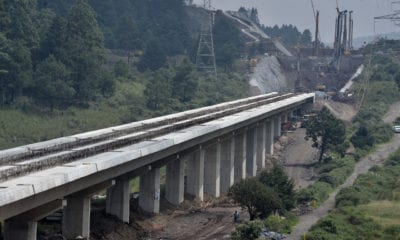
pixel 261 142
pixel 76 218
pixel 118 199
pixel 251 156
pixel 212 169
pixel 174 186
pixel 195 173
pixel 149 198
pixel 240 155
pixel 24 226
pixel 227 163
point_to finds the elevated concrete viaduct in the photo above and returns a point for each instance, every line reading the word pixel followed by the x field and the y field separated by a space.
pixel 212 148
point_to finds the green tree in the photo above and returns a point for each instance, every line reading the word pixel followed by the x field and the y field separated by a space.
pixel 158 92
pixel 83 51
pixel 278 180
pixel 362 138
pixel 247 231
pixel 325 131
pixel 54 39
pixel 184 83
pixel 257 198
pixel 153 58
pixel 306 37
pixel 52 86
pixel 20 14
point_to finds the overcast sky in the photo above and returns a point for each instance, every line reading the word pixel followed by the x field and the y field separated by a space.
pixel 300 13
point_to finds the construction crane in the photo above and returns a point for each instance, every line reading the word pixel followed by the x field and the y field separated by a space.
pixel 317 37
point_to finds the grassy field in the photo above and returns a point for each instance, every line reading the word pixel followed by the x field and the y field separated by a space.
pixel 386 213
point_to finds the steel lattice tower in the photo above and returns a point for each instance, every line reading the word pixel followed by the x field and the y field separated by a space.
pixel 205 59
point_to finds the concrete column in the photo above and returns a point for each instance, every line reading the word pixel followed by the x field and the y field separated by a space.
pixel 284 117
pixel 261 142
pixel 76 218
pixel 20 230
pixel 149 198
pixel 240 155
pixel 118 198
pixel 251 152
pixel 24 226
pixel 212 169
pixel 269 134
pixel 174 185
pixel 277 127
pixel 227 163
pixel 195 174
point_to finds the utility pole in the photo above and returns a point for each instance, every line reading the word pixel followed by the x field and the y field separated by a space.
pixel 205 59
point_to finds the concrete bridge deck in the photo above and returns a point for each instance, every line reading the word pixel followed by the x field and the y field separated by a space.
pixel 219 145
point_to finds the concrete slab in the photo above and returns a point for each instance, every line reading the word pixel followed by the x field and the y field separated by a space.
pixel 14 193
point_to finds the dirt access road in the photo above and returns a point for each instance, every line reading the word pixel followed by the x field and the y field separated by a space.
pixel 298 158
pixel 374 159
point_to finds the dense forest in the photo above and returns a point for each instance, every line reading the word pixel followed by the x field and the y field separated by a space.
pixel 290 34
pixel 54 52
pixel 75 65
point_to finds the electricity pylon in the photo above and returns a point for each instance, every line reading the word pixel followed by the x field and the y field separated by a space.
pixel 205 59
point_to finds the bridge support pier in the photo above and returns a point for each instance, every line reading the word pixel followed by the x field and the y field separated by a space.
pixel 269 133
pixel 20 230
pixel 195 174
pixel 240 155
pixel 118 198
pixel 175 181
pixel 251 156
pixel 277 127
pixel 261 139
pixel 24 226
pixel 149 198
pixel 76 218
pixel 227 163
pixel 212 169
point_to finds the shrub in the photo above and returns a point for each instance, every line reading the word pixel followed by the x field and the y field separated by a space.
pixel 247 231
pixel 281 224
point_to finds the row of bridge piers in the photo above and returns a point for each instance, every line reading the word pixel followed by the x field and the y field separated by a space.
pixel 210 168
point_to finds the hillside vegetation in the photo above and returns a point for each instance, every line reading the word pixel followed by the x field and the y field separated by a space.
pixel 367 210
pixel 58 76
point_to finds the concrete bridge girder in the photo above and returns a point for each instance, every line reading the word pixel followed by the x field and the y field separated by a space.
pixel 210 168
